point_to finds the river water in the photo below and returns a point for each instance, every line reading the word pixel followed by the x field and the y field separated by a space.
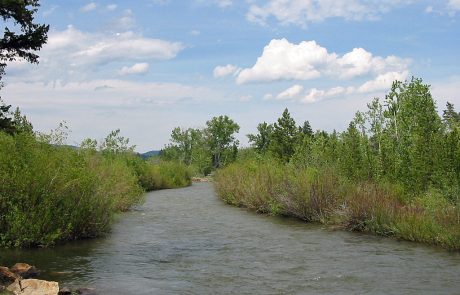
pixel 187 241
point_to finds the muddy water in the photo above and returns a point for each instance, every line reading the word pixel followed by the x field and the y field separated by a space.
pixel 187 241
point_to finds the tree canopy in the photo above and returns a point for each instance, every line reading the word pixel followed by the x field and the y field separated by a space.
pixel 22 36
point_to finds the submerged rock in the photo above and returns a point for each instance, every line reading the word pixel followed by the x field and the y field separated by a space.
pixel 65 291
pixel 34 287
pixel 24 270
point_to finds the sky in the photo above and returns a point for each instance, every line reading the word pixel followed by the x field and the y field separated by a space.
pixel 147 66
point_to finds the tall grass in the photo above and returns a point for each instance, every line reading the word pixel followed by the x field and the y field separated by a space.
pixel 320 195
pixel 50 194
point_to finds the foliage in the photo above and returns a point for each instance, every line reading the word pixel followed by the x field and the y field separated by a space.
pixel 13 122
pixel 285 134
pixel 221 141
pixel 31 38
pixel 50 192
pixel 204 149
pixel 261 141
pixel 395 171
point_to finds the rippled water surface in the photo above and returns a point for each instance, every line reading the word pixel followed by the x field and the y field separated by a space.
pixel 186 241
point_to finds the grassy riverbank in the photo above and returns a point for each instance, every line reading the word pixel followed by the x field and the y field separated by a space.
pixel 395 171
pixel 52 193
pixel 322 196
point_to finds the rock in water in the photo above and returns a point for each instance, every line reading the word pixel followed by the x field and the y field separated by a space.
pixel 34 287
pixel 24 270
pixel 6 276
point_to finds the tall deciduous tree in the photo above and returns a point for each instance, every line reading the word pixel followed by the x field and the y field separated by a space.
pixel 220 133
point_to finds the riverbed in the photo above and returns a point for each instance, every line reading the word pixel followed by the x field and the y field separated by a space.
pixel 187 241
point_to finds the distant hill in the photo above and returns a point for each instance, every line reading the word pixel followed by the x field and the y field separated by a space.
pixel 149 154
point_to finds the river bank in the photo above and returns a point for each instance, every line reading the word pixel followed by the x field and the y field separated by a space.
pixel 50 193
pixel 322 196
pixel 187 241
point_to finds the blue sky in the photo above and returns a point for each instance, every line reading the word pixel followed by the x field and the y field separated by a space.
pixel 147 66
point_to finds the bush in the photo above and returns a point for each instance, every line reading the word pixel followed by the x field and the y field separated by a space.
pixel 50 194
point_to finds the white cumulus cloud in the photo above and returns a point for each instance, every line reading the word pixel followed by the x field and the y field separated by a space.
pixel 136 69
pixel 282 60
pixel 290 93
pixel 223 71
pixel 383 81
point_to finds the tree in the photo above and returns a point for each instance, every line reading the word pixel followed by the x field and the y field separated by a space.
pixel 6 119
pixel 31 38
pixel 450 117
pixel 306 129
pixel 114 143
pixel 285 135
pixel 189 146
pixel 261 141
pixel 23 45
pixel 221 140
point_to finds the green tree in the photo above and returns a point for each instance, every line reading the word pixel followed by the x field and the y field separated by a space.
pixel 261 140
pixel 285 136
pixel 6 119
pixel 306 129
pixel 450 117
pixel 189 146
pixel 415 131
pixel 220 133
pixel 115 143
pixel 26 37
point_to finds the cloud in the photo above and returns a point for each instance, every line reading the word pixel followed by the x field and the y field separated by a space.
pixel 375 86
pixel 125 22
pixel 302 12
pixel 282 60
pixel 224 3
pixel 136 69
pixel 73 55
pixel 109 104
pixel 454 5
pixel 195 33
pixel 223 71
pixel 111 93
pixel 379 84
pixel 290 93
pixel 88 7
pixel 382 81
pixel 111 7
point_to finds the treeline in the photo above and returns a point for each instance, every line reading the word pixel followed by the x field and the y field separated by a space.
pixel 395 171
pixel 204 149
pixel 51 192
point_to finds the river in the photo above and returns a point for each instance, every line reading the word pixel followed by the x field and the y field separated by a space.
pixel 187 241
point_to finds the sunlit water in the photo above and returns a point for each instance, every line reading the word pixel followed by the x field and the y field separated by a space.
pixel 187 241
